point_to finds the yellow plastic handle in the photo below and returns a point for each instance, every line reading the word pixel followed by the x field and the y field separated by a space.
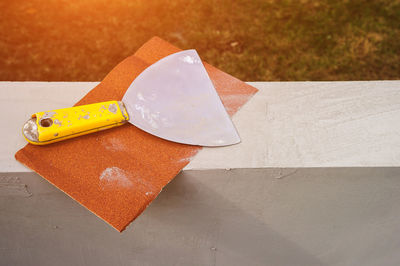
pixel 56 125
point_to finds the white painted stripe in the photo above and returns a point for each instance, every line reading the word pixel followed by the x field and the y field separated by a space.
pixel 286 124
pixel 314 124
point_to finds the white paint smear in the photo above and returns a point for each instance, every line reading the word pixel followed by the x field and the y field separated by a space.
pixel 114 176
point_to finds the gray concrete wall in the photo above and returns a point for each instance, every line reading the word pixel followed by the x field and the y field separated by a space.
pixel 317 216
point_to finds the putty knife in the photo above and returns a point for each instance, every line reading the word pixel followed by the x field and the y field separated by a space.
pixel 173 99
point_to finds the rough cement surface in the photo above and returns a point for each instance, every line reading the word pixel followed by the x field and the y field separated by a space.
pixel 318 216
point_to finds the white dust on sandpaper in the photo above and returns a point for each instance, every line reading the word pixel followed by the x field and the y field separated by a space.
pixel 115 177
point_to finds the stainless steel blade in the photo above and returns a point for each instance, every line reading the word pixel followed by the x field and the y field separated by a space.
pixel 175 99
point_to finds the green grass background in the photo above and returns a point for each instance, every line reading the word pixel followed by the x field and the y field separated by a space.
pixel 256 40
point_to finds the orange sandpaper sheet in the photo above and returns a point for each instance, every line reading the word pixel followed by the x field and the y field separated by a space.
pixel 116 173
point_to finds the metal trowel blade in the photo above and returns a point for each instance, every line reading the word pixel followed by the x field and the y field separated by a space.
pixel 174 99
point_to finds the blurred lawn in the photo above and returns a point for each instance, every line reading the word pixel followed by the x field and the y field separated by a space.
pixel 254 40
